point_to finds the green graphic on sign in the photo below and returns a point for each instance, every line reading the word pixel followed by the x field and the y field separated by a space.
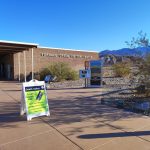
pixel 36 100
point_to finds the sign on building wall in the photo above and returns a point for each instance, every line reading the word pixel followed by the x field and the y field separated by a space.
pixel 66 55
pixel 34 99
pixel 85 73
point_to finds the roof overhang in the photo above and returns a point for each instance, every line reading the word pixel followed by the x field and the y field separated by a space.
pixel 9 47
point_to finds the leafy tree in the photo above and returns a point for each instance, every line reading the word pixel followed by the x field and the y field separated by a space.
pixel 143 74
pixel 140 41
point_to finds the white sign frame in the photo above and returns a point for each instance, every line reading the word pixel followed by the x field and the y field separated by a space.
pixel 24 108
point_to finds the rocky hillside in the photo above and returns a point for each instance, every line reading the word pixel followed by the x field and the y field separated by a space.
pixel 140 51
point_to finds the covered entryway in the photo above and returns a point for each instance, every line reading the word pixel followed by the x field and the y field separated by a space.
pixel 6 66
pixel 7 51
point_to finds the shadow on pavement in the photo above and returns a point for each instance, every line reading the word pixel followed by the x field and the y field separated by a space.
pixel 118 134
pixel 67 110
pixel 82 109
pixel 9 114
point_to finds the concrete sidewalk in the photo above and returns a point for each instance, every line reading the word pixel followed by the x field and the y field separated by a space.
pixel 77 121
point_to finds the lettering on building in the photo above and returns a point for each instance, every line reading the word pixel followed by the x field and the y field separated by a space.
pixel 65 55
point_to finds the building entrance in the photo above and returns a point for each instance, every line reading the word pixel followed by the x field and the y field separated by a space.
pixel 9 67
pixel 6 67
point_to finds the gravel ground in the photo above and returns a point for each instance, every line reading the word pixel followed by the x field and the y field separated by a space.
pixel 122 87
pixel 122 92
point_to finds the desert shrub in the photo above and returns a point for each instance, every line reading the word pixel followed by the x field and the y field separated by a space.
pixel 121 69
pixel 72 75
pixel 145 66
pixel 44 72
pixel 144 70
pixel 61 70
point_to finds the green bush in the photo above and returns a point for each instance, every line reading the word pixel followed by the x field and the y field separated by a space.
pixel 61 70
pixel 144 71
pixel 44 72
pixel 72 75
pixel 121 69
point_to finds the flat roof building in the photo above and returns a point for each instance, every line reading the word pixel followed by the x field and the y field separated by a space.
pixel 19 58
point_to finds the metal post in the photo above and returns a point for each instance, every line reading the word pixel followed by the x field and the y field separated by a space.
pixel 24 66
pixel 101 74
pixel 19 66
pixel 85 78
pixel 32 65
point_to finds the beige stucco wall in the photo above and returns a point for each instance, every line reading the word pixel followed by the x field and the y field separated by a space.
pixel 44 56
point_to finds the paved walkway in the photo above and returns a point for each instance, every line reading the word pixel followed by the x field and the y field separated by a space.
pixel 77 121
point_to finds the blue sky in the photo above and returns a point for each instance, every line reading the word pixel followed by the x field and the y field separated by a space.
pixel 76 24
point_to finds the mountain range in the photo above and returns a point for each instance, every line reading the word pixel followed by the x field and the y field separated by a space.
pixel 140 52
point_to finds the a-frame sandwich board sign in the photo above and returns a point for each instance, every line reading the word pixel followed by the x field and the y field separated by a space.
pixel 34 99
